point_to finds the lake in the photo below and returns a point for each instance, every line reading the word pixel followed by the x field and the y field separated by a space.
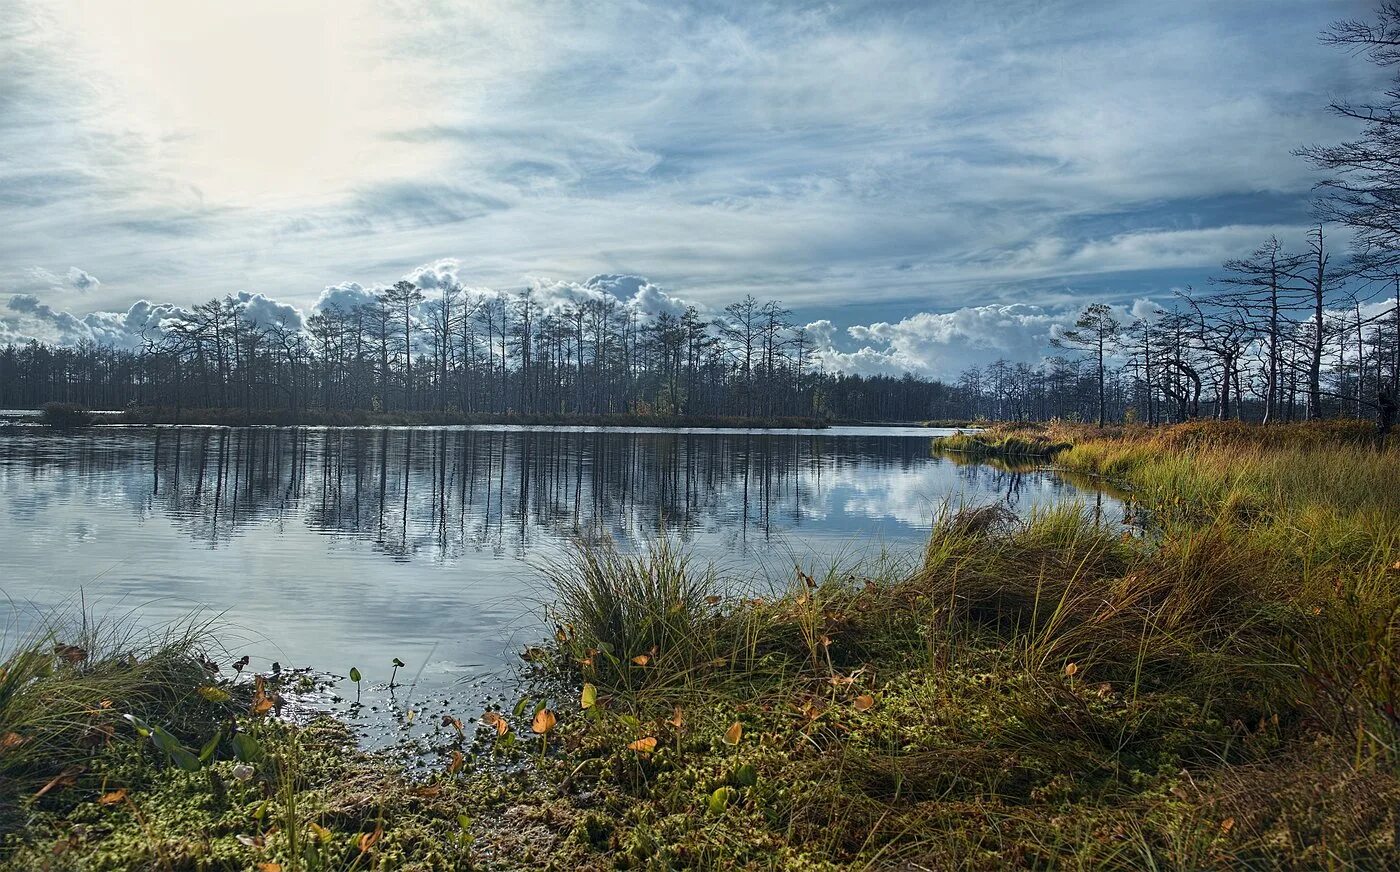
pixel 333 547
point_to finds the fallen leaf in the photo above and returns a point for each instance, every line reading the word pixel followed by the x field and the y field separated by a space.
pixel 113 797
pixel 641 660
pixel 269 866
pixel 544 721
pixel 734 733
pixel 367 840
pixel 494 719
pixel 71 653
pixel 10 740
pixel 1227 825
pixel 643 746
pixel 864 702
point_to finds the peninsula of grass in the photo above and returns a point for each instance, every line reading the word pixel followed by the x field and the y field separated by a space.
pixel 369 418
pixel 1217 691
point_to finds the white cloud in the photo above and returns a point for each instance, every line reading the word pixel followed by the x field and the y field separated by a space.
pixel 943 344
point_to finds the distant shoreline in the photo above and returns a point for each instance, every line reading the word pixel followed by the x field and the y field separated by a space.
pixel 365 418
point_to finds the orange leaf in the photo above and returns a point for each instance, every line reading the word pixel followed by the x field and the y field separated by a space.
pixel 864 702
pixel 641 660
pixel 457 760
pixel 112 798
pixel 494 719
pixel 643 746
pixel 544 721
pixel 449 721
pixel 1227 825
pixel 367 840
pixel 269 866
pixel 734 733
pixel 261 705
pixel 10 740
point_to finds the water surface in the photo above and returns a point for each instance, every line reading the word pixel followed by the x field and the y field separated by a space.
pixel 334 547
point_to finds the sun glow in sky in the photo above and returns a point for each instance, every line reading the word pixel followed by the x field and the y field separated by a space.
pixel 923 182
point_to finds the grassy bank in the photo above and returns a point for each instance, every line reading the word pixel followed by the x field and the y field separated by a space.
pixel 1220 691
pixel 366 418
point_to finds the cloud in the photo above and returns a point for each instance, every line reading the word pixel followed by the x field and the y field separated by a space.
pixel 943 344
pixel 35 319
pixel 36 278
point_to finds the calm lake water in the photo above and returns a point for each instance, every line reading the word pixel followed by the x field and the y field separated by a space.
pixel 340 547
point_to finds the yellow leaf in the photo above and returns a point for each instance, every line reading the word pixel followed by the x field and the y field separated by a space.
pixel 589 697
pixel 643 746
pixel 319 831
pixel 213 694
pixel 734 733
pixel 641 660
pixel 544 721
pixel 864 702
pixel 269 866
pixel 1071 668
pixel 112 798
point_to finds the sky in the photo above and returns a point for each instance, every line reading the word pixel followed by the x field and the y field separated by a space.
pixel 927 185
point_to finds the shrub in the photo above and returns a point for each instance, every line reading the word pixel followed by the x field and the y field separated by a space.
pixel 65 416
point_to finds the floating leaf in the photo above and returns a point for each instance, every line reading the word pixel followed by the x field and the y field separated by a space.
pixel 543 722
pixel 864 702
pixel 589 697
pixel 113 797
pixel 643 746
pixel 734 733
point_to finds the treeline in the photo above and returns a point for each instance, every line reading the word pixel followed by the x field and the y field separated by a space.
pixel 502 354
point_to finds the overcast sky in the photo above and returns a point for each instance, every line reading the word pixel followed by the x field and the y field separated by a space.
pixel 928 183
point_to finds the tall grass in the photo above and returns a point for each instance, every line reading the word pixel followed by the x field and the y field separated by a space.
pixel 65 687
